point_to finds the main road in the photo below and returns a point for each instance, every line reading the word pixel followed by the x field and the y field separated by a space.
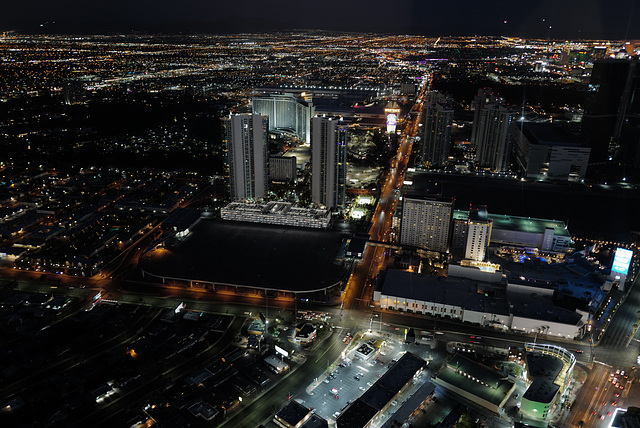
pixel 359 290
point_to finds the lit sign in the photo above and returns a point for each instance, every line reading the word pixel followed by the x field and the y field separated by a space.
pixel 622 260
pixel 281 351
pixel 392 119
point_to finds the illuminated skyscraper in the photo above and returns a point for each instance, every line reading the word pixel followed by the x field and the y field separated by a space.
pixel 491 121
pixel 247 155
pixel 426 223
pixel 328 162
pixel 436 136
pixel 285 113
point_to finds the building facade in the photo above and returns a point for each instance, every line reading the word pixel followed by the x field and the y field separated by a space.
pixel 282 213
pixel 477 240
pixel 426 223
pixel 283 169
pixel 491 120
pixel 436 137
pixel 246 155
pixel 285 113
pixel 543 151
pixel 328 162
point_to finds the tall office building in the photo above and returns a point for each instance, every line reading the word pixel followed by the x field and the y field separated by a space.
pixel 328 162
pixel 491 120
pixel 247 155
pixel 611 121
pixel 285 113
pixel 436 135
pixel 426 223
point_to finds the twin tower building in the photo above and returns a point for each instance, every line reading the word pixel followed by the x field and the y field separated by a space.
pixel 246 141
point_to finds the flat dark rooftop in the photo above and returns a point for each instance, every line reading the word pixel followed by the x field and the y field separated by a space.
pixel 549 134
pixel 541 390
pixel 445 290
pixel 252 255
pixel 357 415
pixel 293 412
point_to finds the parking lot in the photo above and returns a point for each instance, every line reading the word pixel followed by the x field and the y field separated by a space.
pixel 347 379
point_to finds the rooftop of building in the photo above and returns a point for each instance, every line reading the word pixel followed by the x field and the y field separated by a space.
pixel 360 412
pixel 252 255
pixel 427 198
pixel 478 380
pixel 549 134
pixel 357 415
pixel 541 390
pixel 544 369
pixel 315 421
pixel 520 224
pixel 543 365
pixel 385 388
pixel 292 413
pixel 627 419
pixel 301 153
pixel 541 308
pixel 452 291
pixel 572 277
pixel 478 212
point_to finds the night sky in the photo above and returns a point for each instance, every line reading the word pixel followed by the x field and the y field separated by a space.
pixel 613 19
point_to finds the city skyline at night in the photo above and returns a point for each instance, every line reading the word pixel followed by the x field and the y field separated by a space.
pixel 382 214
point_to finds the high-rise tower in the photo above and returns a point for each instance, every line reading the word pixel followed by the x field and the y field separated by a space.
pixel 436 136
pixel 491 121
pixel 328 162
pixel 426 223
pixel 247 155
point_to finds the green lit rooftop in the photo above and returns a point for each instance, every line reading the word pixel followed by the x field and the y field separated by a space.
pixel 520 224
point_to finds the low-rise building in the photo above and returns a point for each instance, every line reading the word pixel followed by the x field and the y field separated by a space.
pixel 365 411
pixel 281 213
pixel 283 169
pixel 477 302
pixel 475 382
pixel 305 333
pixel 514 231
pixel 550 368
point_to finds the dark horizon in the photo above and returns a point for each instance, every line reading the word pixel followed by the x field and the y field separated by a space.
pixel 595 19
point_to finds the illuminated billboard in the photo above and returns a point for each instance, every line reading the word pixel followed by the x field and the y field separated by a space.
pixel 622 260
pixel 392 121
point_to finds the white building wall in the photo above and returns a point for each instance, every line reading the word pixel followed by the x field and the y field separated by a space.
pixel 486 318
pixel 564 159
pixel 530 325
pixel 478 236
